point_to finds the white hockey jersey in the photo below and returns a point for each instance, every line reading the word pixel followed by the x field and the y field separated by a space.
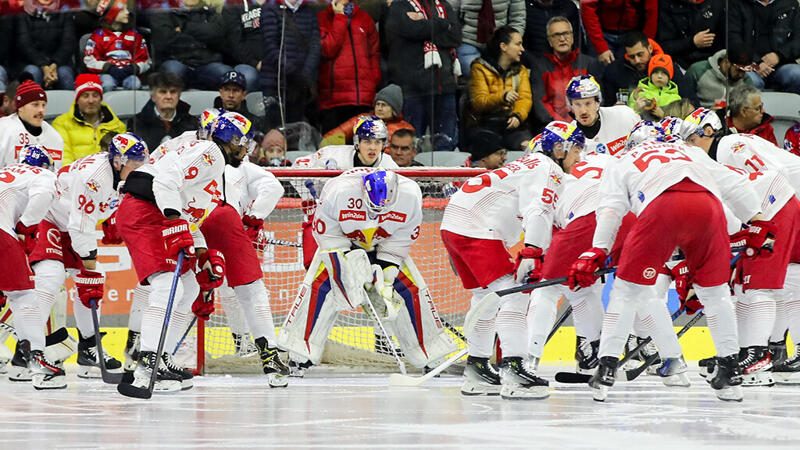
pixel 252 189
pixel 26 193
pixel 579 196
pixel 173 144
pixel 342 218
pixel 616 122
pixel 14 136
pixel 87 197
pixel 338 157
pixel 754 154
pixel 189 180
pixel 638 176
pixel 501 205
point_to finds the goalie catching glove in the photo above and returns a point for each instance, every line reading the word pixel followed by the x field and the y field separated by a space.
pixel 528 268
pixel 90 287
pixel 212 270
pixel 581 274
pixel 760 235
pixel 383 286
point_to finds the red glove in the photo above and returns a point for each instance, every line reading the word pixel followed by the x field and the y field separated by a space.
pixel 252 227
pixel 759 236
pixel 581 274
pixel 28 234
pixel 212 270
pixel 202 308
pixel 177 237
pixel 110 234
pixel 683 284
pixel 309 207
pixel 528 268
pixel 90 287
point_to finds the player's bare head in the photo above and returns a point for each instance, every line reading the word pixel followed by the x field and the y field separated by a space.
pixel 380 190
pixel 369 139
pixel 584 97
pixel 486 149
pixel 127 152
pixel 701 127
pixel 562 142
pixel 232 133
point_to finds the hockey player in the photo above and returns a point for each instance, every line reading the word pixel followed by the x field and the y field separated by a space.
pixel 605 128
pixel 27 189
pixel 671 188
pixel 27 126
pixel 365 225
pixel 163 207
pixel 484 218
pixel 759 282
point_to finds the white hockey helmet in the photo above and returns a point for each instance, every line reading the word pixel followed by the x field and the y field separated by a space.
pixel 695 123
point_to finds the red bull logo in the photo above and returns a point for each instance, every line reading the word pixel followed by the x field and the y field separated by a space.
pixel 380 233
pixel 208 159
pixel 556 179
pixel 196 214
pixel 93 186
pixel 738 146
pixel 349 214
pixel 393 217
pixel 356 235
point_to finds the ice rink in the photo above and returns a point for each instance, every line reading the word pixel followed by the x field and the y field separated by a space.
pixel 363 412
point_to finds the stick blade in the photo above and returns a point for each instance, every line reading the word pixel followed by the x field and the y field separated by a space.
pixel 129 390
pixel 400 380
pixel 572 378
pixel 112 378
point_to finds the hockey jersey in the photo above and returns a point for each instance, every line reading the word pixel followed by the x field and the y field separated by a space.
pixel 26 193
pixel 339 157
pixel 579 196
pixel 343 220
pixel 501 205
pixel 87 197
pixel 252 190
pixel 119 48
pixel 640 175
pixel 616 122
pixel 172 145
pixel 754 154
pixel 14 136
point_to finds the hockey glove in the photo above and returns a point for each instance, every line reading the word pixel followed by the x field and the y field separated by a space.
pixel 683 285
pixel 252 226
pixel 203 307
pixel 760 235
pixel 27 235
pixel 177 237
pixel 212 270
pixel 110 234
pixel 90 287
pixel 528 267
pixel 581 274
pixel 309 207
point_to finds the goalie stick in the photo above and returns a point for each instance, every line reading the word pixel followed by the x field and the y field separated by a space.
pixel 108 377
pixel 129 390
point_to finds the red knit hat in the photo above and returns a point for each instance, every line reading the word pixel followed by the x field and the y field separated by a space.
pixel 662 61
pixel 109 9
pixel 28 92
pixel 87 82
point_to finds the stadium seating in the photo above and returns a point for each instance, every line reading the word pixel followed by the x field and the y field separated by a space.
pixel 785 108
pixel 442 159
pixel 58 102
pixel 126 104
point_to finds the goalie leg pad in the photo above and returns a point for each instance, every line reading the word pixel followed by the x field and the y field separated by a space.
pixel 418 328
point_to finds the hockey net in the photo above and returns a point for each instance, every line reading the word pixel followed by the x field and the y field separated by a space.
pixel 351 344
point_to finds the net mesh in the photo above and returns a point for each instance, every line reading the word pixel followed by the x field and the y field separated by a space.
pixel 351 344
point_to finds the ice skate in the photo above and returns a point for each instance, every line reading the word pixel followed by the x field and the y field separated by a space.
pixel 777 351
pixel 60 345
pixel 298 369
pixel 788 372
pixel 88 359
pixel 673 372
pixel 480 378
pixel 45 375
pixel 586 355
pixel 754 365
pixel 244 345
pixel 5 356
pixel 603 377
pixel 518 383
pixel 19 370
pixel 184 374
pixel 166 381
pixel 725 378
pixel 131 351
pixel 277 372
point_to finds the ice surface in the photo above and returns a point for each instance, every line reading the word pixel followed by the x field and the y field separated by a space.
pixel 363 412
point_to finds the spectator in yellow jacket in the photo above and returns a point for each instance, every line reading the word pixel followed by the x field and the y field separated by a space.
pixel 500 89
pixel 87 121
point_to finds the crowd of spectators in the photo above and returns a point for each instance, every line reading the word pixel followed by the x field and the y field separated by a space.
pixel 441 68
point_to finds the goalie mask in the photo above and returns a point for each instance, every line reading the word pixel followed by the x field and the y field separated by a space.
pixel 37 156
pixel 380 190
pixel 645 131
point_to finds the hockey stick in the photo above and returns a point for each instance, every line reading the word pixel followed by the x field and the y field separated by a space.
pixel 492 300
pixel 631 375
pixel 559 322
pixel 185 333
pixel 129 390
pixel 108 377
pixel 377 319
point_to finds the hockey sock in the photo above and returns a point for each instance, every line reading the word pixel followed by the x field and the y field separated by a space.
pixel 83 318
pixel 655 321
pixel 234 309
pixel 153 314
pixel 481 342
pixel 587 311
pixel 721 318
pixel 619 316
pixel 512 326
pixel 140 296
pixel 254 301
pixel 755 316
pixel 49 276
pixel 182 309
pixel 541 315
pixel 27 317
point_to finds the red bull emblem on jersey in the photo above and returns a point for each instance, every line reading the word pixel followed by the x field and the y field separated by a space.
pixel 196 214
pixel 738 146
pixel 556 179
pixel 208 158
pixel 93 186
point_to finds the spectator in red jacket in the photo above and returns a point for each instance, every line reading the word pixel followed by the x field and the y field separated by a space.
pixel 791 140
pixel 349 70
pixel 118 53
pixel 746 113
pixel 606 21
pixel 551 72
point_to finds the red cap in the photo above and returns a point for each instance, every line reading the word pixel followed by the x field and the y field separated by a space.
pixel 28 92
pixel 87 82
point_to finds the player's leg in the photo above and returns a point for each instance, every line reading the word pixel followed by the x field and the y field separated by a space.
pixel 235 317
pixel 181 314
pixel 88 356
pixel 139 302
pixel 788 371
pixel 755 319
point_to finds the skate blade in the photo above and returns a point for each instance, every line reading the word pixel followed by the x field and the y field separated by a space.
pixel 186 386
pixel 473 388
pixel 786 378
pixel 600 394
pixel 521 393
pixel 277 381
pixel 758 379
pixel 167 387
pixel 89 372
pixel 677 380
pixel 41 384
pixel 19 374
pixel 730 394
